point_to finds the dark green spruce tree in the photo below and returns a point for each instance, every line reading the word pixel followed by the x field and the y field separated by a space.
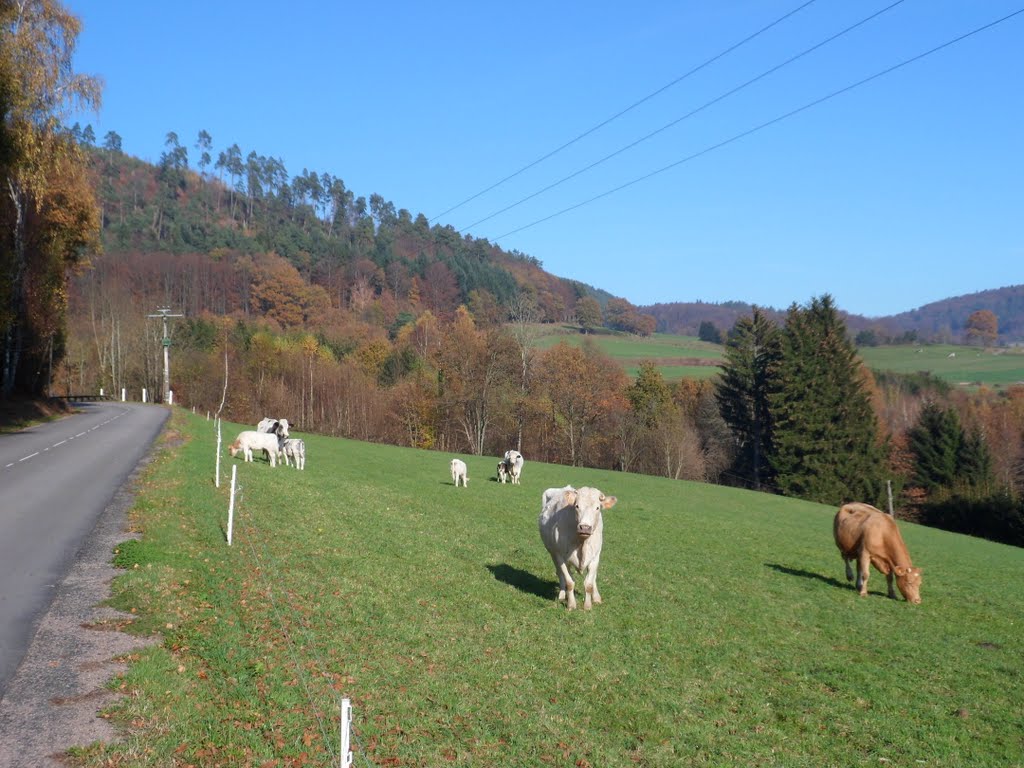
pixel 744 391
pixel 826 446
pixel 947 459
pixel 934 442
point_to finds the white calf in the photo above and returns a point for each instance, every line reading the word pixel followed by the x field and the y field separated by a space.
pixel 250 441
pixel 572 529
pixel 294 449
pixel 460 472
pixel 514 463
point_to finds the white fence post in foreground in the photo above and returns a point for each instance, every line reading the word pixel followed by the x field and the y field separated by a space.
pixel 170 397
pixel 231 504
pixel 143 394
pixel 123 394
pixel 346 728
pixel 216 475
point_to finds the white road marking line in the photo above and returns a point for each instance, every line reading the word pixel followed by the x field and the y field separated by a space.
pixel 26 458
pixel 60 443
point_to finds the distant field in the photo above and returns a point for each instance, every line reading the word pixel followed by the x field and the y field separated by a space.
pixel 727 637
pixel 680 357
pixel 967 366
pixel 676 356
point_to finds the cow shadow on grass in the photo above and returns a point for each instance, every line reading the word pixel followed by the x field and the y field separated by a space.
pixel 807 575
pixel 524 581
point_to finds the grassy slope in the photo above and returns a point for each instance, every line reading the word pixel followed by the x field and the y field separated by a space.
pixel 970 365
pixel 728 635
pixel 676 356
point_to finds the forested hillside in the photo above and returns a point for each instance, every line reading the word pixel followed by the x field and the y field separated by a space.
pixel 204 227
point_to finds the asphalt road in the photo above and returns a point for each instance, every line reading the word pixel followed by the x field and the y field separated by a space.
pixel 55 481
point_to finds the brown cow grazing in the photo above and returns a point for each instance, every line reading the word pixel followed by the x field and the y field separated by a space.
pixel 870 537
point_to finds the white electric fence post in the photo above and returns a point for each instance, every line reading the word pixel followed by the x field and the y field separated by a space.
pixel 346 727
pixel 216 476
pixel 231 504
pixel 170 397
pixel 143 394
pixel 124 394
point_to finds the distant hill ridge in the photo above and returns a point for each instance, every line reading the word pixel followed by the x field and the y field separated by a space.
pixel 939 321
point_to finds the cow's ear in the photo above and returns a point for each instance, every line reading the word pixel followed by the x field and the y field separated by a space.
pixel 569 498
pixel 607 502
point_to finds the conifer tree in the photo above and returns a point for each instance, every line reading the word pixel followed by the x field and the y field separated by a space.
pixel 749 377
pixel 946 457
pixel 826 444
pixel 935 444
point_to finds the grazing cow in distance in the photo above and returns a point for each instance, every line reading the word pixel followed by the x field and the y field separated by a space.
pixel 294 449
pixel 514 465
pixel 870 536
pixel 572 529
pixel 277 427
pixel 460 472
pixel 503 473
pixel 249 441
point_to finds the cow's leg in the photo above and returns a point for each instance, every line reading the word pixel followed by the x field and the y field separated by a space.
pixel 892 592
pixel 864 563
pixel 568 591
pixel 849 570
pixel 590 586
pixel 561 578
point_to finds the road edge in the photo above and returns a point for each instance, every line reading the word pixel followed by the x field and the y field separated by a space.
pixel 53 701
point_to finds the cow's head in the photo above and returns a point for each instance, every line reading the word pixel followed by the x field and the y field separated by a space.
pixel 234 448
pixel 908 580
pixel 588 503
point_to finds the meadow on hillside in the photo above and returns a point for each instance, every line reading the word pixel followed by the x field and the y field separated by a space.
pixel 959 365
pixel 727 636
pixel 688 357
pixel 676 357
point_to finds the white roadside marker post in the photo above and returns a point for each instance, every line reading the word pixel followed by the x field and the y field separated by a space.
pixel 231 504
pixel 346 728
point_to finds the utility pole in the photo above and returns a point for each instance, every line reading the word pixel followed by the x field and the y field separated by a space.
pixel 164 313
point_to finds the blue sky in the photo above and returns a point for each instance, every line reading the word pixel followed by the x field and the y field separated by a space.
pixel 904 191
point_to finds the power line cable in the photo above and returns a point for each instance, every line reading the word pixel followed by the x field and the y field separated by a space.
pixel 764 125
pixel 632 106
pixel 687 116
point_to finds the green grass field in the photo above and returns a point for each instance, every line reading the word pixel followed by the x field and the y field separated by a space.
pixel 677 357
pixel 970 366
pixel 728 635
pixel 687 357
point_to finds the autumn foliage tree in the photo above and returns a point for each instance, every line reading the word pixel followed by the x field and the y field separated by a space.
pixel 48 213
pixel 982 328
